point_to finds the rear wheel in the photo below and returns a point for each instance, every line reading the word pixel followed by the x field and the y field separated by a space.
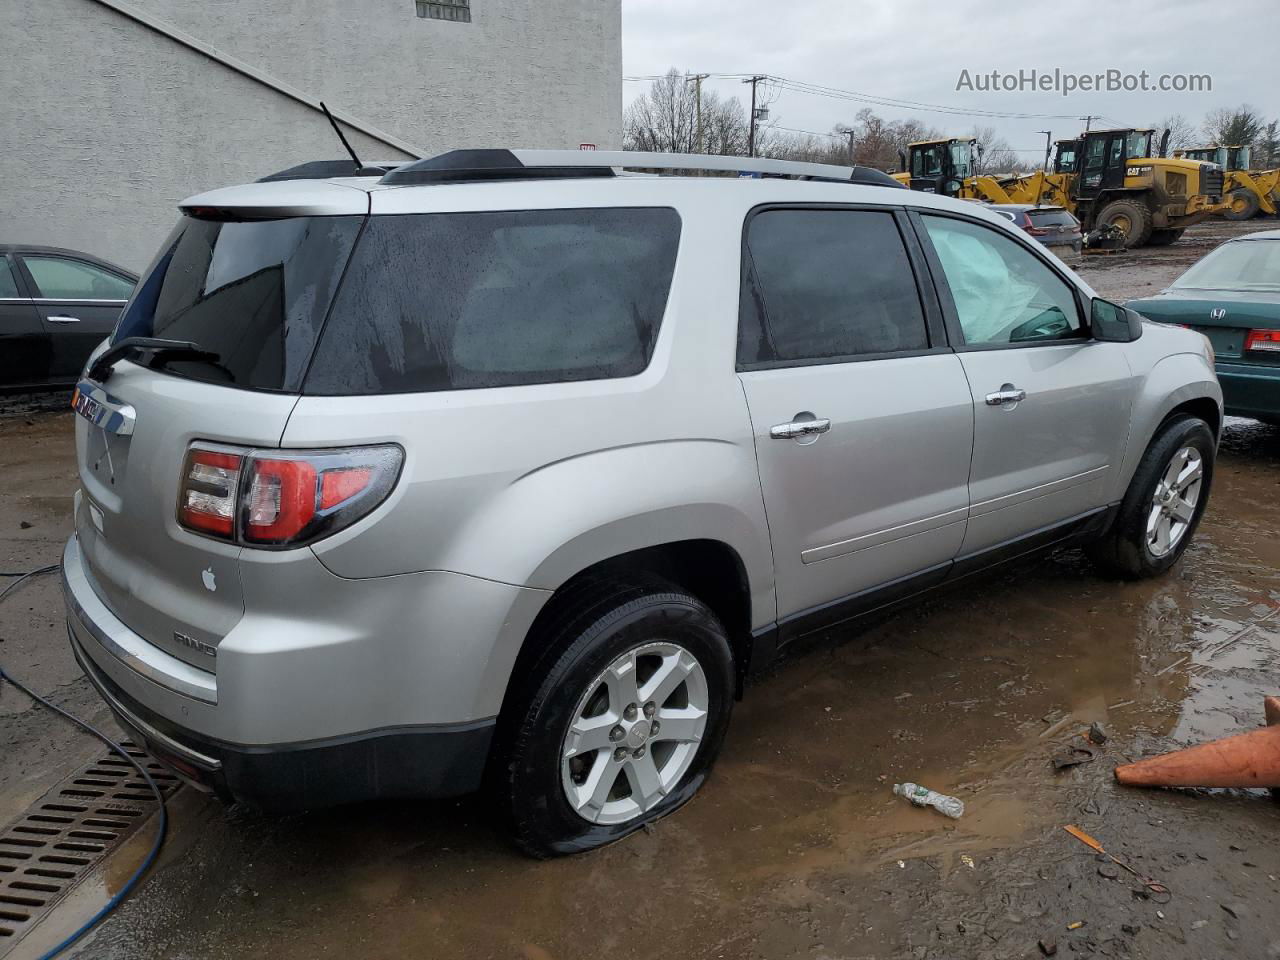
pixel 622 721
pixel 1244 204
pixel 1163 505
pixel 1162 238
pixel 1131 217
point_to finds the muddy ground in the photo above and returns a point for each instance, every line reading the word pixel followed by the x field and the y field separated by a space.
pixel 796 847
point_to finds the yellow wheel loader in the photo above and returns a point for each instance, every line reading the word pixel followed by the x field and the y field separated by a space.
pixel 1114 178
pixel 1248 192
pixel 937 166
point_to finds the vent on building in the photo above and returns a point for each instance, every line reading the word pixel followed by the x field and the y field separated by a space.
pixel 458 11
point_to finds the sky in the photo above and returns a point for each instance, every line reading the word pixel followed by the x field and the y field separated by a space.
pixel 917 52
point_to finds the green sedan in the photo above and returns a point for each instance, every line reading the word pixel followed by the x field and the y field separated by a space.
pixel 1232 296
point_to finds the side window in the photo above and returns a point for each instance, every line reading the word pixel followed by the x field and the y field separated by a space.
pixel 1003 293
pixel 825 285
pixel 8 283
pixel 60 279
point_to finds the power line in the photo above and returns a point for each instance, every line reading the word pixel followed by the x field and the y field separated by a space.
pixel 836 93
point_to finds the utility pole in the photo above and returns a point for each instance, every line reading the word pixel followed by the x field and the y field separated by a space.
pixel 1048 147
pixel 751 140
pixel 851 134
pixel 1088 121
pixel 696 80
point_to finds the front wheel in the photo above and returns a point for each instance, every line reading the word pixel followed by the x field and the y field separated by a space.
pixel 1130 217
pixel 1244 204
pixel 1164 502
pixel 625 723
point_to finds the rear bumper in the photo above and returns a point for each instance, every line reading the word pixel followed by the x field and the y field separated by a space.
pixel 399 699
pixel 1249 390
pixel 426 762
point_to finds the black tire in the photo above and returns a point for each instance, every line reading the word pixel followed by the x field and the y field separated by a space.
pixel 586 635
pixel 1163 238
pixel 1244 204
pixel 1132 216
pixel 1124 550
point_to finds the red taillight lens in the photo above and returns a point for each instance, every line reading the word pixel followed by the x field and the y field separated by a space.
pixel 284 499
pixel 1036 231
pixel 207 501
pixel 339 486
pixel 280 500
pixel 1266 341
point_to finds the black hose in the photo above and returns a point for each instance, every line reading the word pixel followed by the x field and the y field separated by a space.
pixel 163 826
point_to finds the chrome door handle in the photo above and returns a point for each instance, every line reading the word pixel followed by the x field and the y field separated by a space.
pixel 62 319
pixel 799 428
pixel 1006 394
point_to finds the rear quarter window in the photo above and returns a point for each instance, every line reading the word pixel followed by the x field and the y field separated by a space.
pixel 1051 218
pixel 456 301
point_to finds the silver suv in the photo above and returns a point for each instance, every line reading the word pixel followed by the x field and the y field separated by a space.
pixel 513 466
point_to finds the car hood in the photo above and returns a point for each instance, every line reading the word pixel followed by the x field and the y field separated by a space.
pixel 1212 308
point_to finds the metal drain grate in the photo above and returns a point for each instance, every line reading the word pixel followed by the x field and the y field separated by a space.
pixel 67 832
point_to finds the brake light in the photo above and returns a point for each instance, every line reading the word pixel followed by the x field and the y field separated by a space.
pixel 283 499
pixel 208 499
pixel 1266 341
pixel 1035 231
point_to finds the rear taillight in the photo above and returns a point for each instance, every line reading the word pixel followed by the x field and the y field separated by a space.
pixel 207 502
pixel 1265 341
pixel 283 499
pixel 1035 231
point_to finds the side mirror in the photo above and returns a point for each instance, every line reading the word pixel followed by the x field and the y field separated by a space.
pixel 1112 323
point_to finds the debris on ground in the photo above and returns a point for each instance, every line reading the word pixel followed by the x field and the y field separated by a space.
pixel 1098 733
pixel 1073 754
pixel 953 807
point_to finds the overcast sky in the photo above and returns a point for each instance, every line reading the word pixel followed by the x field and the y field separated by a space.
pixel 916 52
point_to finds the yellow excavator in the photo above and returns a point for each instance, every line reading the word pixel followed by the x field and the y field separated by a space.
pixel 1113 179
pixel 1248 192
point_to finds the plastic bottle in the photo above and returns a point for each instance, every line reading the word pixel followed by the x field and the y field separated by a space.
pixel 953 807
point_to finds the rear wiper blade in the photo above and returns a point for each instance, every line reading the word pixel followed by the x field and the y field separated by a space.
pixel 149 348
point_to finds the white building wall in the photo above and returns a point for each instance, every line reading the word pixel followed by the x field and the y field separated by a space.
pixel 107 124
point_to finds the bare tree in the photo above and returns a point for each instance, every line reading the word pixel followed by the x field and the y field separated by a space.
pixel 664 119
pixel 1234 126
pixel 995 153
pixel 1182 132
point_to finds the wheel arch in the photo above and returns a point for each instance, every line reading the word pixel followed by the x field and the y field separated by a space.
pixel 1179 383
pixel 711 570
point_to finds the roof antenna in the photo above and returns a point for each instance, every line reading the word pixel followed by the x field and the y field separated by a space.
pixel 338 130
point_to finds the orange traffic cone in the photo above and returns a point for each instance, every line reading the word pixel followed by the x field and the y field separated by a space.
pixel 1245 760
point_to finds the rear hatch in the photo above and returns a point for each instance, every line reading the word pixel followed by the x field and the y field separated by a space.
pixel 255 293
pixel 1054 225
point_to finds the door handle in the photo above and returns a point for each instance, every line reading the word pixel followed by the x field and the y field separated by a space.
pixel 62 319
pixel 1006 394
pixel 799 428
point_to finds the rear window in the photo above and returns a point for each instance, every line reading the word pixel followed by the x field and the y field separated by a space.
pixel 1051 218
pixel 255 293
pixel 455 301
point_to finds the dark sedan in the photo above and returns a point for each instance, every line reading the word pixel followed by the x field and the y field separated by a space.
pixel 55 306
pixel 1232 296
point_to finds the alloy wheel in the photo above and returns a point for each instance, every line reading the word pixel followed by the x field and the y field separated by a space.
pixel 1173 505
pixel 634 733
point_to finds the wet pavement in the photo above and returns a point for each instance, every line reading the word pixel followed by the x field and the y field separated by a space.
pixel 796 847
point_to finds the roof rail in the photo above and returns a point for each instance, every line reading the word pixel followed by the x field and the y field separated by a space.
pixel 463 165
